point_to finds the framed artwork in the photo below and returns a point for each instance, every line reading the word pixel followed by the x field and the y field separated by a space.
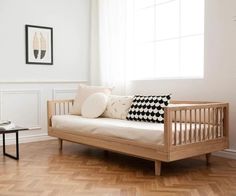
pixel 39 45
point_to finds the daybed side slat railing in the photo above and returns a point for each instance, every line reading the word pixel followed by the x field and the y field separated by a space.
pixel 200 126
pixel 209 123
pixel 167 126
pixel 226 121
pixel 180 121
pixel 204 124
pixel 221 121
pixel 58 107
pixel 185 127
pixel 213 123
pixel 191 130
pixel 195 123
pixel 216 123
pixel 175 128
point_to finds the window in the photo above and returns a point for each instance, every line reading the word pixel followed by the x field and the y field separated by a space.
pixel 167 38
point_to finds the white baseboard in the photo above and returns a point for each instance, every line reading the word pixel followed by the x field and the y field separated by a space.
pixel 28 139
pixel 228 153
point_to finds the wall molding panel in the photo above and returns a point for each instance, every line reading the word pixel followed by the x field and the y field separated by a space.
pixel 60 93
pixel 7 95
pixel 25 104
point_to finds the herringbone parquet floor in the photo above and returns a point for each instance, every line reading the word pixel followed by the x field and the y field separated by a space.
pixel 80 170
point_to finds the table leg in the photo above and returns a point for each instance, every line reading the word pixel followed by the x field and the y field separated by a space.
pixel 17 147
pixel 3 143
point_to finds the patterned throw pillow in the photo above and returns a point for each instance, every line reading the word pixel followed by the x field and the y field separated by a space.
pixel 148 108
pixel 118 106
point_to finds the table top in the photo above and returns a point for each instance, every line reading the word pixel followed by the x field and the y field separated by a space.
pixel 13 129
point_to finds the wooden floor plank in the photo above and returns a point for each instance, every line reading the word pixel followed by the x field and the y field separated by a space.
pixel 44 170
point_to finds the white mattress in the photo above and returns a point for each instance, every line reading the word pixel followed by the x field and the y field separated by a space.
pixel 150 133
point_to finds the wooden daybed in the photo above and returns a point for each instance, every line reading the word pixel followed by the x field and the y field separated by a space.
pixel 207 132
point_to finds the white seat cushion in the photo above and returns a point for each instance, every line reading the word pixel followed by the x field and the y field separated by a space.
pixel 131 130
pixel 144 132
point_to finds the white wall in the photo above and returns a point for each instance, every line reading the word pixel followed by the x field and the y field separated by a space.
pixel 24 88
pixel 220 65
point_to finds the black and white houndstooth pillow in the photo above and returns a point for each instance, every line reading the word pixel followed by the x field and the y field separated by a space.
pixel 148 108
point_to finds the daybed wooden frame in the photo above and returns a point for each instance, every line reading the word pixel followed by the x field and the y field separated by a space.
pixel 212 117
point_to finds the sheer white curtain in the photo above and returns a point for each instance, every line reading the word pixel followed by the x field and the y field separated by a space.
pixel 109 46
pixel 146 39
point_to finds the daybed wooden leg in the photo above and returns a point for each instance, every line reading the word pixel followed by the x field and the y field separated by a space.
pixel 208 157
pixel 157 168
pixel 106 153
pixel 60 142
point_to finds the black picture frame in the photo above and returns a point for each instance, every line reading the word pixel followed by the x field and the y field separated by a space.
pixel 39 45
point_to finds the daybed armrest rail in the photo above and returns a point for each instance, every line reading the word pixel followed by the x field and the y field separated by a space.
pixel 58 107
pixel 193 123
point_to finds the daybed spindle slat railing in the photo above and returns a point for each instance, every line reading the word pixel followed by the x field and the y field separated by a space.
pixel 200 125
pixel 217 122
pixel 209 123
pixel 180 121
pixel 221 122
pixel 185 126
pixel 190 134
pixel 213 124
pixel 204 124
pixel 56 109
pixel 195 125
pixel 57 112
pixel 59 108
pixel 175 128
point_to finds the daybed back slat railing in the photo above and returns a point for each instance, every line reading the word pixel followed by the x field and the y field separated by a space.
pixel 221 127
pixel 180 121
pixel 213 123
pixel 209 123
pixel 191 130
pixel 200 126
pixel 226 123
pixel 175 128
pixel 185 127
pixel 204 124
pixel 193 123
